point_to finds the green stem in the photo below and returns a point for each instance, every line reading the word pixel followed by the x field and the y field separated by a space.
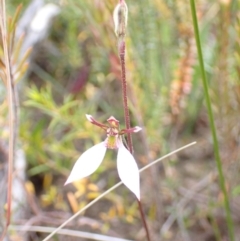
pixel 212 124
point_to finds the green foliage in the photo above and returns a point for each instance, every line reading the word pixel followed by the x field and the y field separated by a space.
pixel 64 120
pixel 75 71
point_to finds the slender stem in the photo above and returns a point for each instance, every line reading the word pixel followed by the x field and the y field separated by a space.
pixel 121 49
pixel 11 116
pixel 124 93
pixel 144 220
pixel 212 124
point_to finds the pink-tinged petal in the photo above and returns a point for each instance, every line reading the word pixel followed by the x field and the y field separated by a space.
pixel 96 123
pixel 87 163
pixel 128 170
pixel 113 122
pixel 131 130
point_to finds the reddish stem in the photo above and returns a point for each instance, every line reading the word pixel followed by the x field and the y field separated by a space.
pixel 124 93
pixel 121 50
pixel 143 220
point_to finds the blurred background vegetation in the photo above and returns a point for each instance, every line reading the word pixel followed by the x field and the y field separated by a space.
pixel 75 71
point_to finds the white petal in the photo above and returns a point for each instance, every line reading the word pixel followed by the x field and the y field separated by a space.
pixel 128 170
pixel 87 163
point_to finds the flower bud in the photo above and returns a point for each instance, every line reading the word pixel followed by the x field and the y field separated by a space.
pixel 120 16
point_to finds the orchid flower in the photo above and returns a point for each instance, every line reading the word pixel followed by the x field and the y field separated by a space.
pixel 91 159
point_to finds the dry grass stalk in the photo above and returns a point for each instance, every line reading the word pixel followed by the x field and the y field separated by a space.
pixel 9 76
pixel 11 115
